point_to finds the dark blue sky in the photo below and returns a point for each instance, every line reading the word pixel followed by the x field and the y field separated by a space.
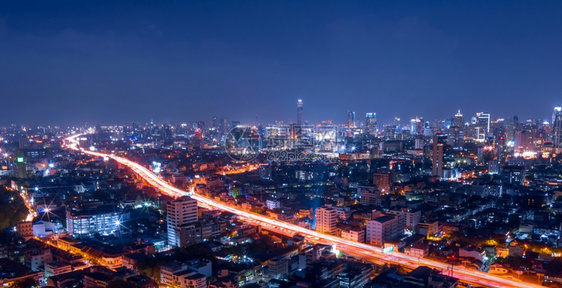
pixel 100 61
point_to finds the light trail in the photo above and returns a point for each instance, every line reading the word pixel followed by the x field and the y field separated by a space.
pixel 368 251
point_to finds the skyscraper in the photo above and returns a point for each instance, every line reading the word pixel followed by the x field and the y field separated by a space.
pixel 371 123
pixel 456 133
pixel 459 120
pixel 482 125
pixel 180 211
pixel 299 112
pixel 557 126
pixel 437 159
pixel 350 119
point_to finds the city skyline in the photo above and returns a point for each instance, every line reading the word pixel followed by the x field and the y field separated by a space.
pixel 359 119
pixel 187 62
pixel 280 144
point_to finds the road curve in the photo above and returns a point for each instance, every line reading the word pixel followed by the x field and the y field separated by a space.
pixel 463 274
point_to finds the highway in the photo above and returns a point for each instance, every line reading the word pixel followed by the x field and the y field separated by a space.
pixel 362 250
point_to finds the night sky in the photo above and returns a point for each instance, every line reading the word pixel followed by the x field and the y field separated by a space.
pixel 105 62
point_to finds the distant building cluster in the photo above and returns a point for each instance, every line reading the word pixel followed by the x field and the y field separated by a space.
pixel 477 193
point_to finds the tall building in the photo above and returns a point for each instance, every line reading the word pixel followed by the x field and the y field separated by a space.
pixel 557 126
pixel 459 120
pixel 299 112
pixel 371 123
pixel 350 119
pixel 180 211
pixel 437 159
pixel 326 220
pixel 524 140
pixel 482 125
pixel 415 124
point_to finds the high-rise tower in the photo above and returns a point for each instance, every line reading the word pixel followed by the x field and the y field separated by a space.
pixel 180 211
pixel 557 126
pixel 299 112
pixel 459 120
pixel 371 123
pixel 437 159
pixel 482 125
pixel 350 119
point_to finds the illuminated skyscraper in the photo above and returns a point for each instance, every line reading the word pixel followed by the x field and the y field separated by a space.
pixel 456 133
pixel 299 112
pixel 557 126
pixel 416 126
pixel 482 125
pixel 371 123
pixel 437 159
pixel 350 119
pixel 459 120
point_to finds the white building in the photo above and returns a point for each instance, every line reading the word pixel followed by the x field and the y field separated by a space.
pixel 418 250
pixel 272 204
pixel 354 234
pixel 382 229
pixel 175 275
pixel 410 218
pixel 180 211
pixel 326 220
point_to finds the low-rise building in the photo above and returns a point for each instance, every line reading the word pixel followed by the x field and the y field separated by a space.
pixel 353 234
pixel 382 229
pixel 176 275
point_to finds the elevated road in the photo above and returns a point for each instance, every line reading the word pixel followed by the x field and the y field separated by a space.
pixel 362 250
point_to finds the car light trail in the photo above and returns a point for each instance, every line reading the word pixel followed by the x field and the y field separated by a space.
pixel 366 251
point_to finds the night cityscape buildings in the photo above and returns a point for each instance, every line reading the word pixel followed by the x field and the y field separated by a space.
pixel 147 144
pixel 480 195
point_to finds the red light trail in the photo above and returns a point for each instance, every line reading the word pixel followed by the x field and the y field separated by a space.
pixel 361 250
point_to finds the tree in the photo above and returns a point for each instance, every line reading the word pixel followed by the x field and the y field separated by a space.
pixel 101 195
pixel 12 208
pixel 119 283
pixel 25 283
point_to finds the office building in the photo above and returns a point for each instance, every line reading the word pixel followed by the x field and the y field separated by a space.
pixel 371 123
pixel 482 125
pixel 458 120
pixel 350 119
pixel 437 157
pixel 557 127
pixel 383 229
pixel 181 211
pixel 299 112
pixel 326 219
pixel 102 219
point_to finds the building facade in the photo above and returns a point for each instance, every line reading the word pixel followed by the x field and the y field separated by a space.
pixel 181 211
